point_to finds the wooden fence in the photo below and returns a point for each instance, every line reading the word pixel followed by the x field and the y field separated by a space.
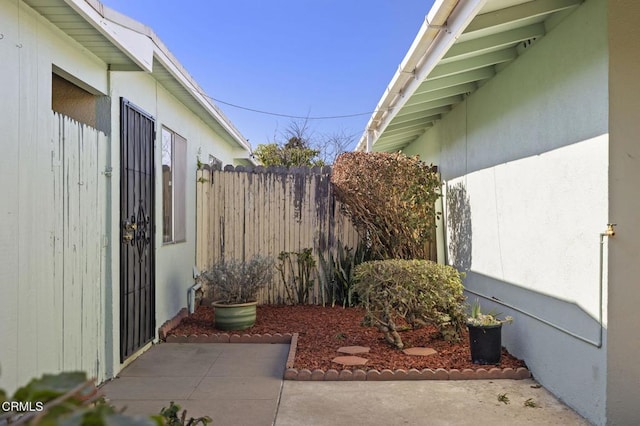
pixel 246 211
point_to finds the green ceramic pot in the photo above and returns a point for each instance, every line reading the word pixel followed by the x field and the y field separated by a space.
pixel 234 317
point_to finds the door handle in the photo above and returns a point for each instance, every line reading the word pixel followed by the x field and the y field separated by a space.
pixel 128 231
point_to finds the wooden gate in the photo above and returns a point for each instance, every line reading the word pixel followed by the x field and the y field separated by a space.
pixel 70 331
pixel 137 254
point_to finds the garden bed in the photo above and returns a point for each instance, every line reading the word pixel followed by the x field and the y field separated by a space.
pixel 322 330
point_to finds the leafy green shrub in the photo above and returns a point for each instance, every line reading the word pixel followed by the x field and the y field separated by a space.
pixel 420 292
pixel 296 152
pixel 390 199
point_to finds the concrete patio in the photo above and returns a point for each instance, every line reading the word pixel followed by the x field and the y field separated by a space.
pixel 241 384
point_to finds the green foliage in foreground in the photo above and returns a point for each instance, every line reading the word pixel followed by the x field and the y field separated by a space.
pixel 420 292
pixel 70 399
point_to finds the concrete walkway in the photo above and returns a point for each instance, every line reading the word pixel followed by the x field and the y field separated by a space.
pixel 234 384
pixel 241 385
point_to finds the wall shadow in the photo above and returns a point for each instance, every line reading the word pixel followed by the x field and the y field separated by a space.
pixel 558 313
pixel 459 225
pixel 564 315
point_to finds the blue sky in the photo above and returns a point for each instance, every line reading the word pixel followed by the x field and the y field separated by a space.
pixel 293 57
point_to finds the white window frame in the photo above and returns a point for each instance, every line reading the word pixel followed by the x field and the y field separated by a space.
pixel 174 156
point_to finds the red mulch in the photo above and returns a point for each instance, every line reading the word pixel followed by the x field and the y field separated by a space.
pixel 322 330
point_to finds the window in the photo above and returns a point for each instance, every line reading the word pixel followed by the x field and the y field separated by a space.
pixel 174 159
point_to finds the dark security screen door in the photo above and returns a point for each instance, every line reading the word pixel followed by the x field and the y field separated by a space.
pixel 137 261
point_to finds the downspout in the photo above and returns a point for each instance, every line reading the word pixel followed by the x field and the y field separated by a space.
pixel 609 232
pixel 191 297
pixel 191 293
pixel 109 244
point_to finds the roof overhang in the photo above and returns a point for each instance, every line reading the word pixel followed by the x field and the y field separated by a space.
pixel 461 45
pixel 127 45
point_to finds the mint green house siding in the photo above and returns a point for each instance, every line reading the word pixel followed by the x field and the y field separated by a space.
pixel 65 65
pixel 543 152
pixel 530 147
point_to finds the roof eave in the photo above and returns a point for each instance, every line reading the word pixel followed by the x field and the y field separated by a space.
pixel 129 36
pixel 141 45
pixel 444 23
pixel 171 63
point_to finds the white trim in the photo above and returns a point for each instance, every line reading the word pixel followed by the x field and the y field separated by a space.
pixel 141 44
pixel 444 23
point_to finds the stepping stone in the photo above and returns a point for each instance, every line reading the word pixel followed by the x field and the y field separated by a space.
pixel 420 351
pixel 350 360
pixel 352 350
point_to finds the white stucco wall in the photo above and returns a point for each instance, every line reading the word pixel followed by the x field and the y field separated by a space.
pixel 530 148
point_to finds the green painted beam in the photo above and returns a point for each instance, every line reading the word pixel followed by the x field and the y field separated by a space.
pixel 398 146
pixel 394 145
pixel 476 62
pixel 397 140
pixel 493 42
pixel 412 135
pixel 425 106
pixel 408 130
pixel 517 13
pixel 422 120
pixel 456 79
pixel 419 114
pixel 417 99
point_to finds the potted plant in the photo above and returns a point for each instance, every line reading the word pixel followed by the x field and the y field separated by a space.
pixel 235 285
pixel 485 335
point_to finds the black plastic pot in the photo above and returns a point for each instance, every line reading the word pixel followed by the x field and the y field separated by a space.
pixel 485 343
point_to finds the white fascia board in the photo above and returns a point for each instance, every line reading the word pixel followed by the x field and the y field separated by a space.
pixel 141 44
pixel 133 42
pixel 444 23
pixel 435 19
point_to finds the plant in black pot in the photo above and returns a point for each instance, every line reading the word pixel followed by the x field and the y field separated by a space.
pixel 485 335
pixel 235 285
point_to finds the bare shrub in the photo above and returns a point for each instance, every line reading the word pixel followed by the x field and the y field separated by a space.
pixel 234 281
pixel 420 292
pixel 391 201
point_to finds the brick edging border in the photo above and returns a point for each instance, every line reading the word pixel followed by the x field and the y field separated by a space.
pixel 169 325
pixel 412 374
pixel 231 338
pixel 358 374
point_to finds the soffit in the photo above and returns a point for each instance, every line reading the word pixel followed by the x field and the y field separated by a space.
pixel 134 47
pixel 63 16
pixel 495 37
